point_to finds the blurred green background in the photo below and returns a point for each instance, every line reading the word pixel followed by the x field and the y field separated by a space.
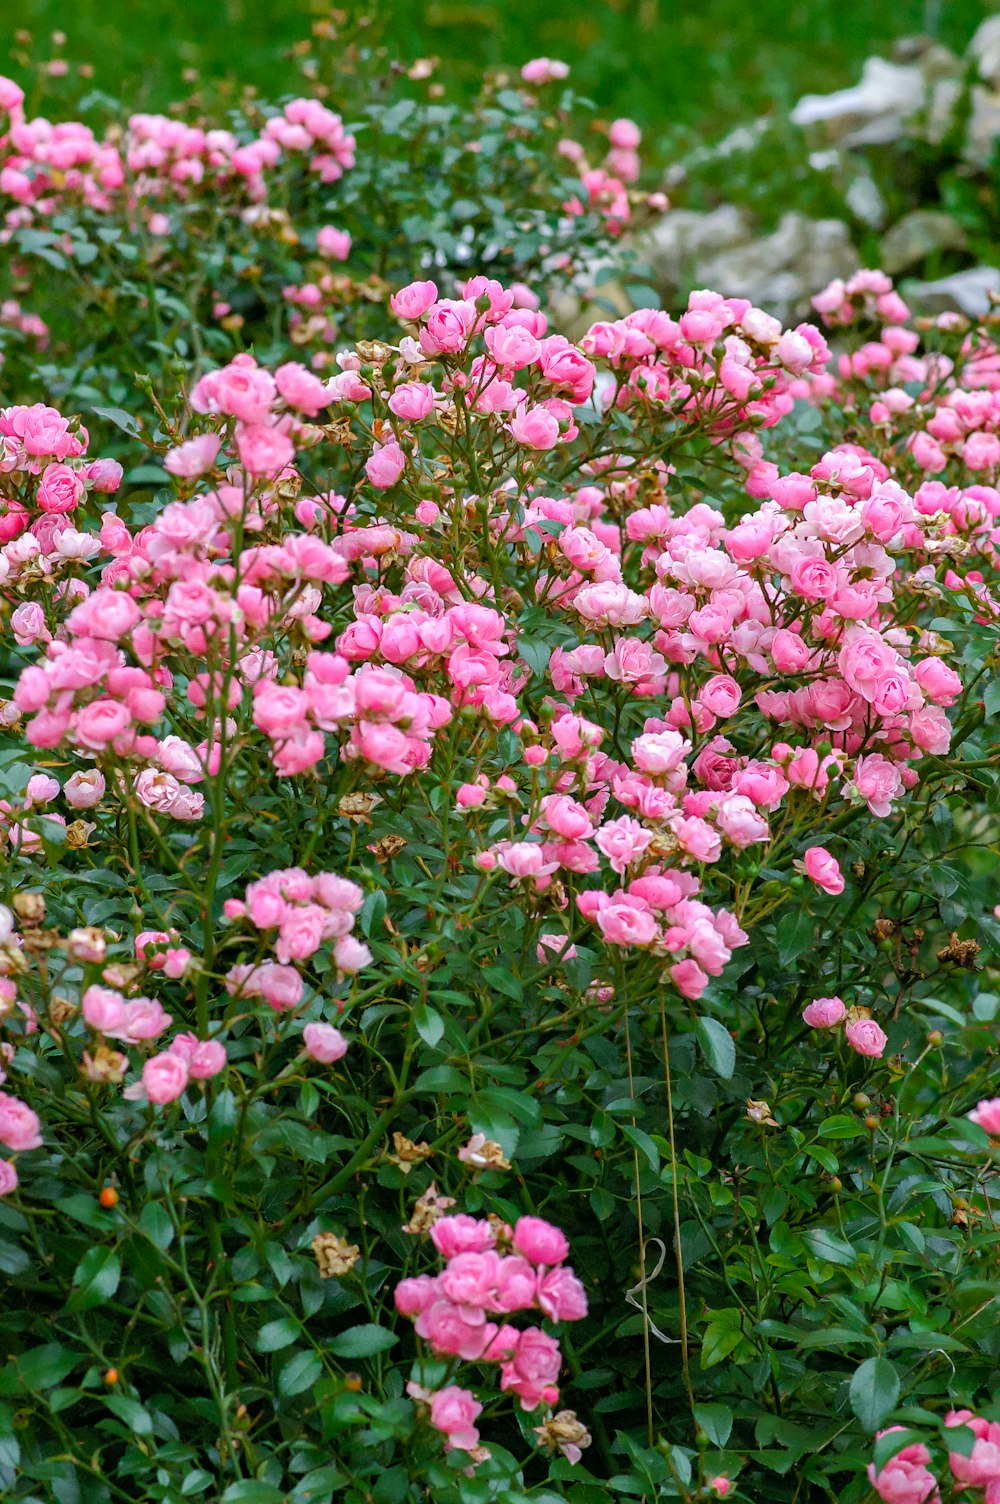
pixel 688 65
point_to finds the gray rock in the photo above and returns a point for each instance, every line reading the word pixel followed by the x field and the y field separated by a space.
pixel 916 236
pixel 967 292
pixel 778 272
pixel 984 126
pixel 984 51
pixel 873 112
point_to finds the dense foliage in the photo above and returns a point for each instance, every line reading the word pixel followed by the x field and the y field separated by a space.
pixel 498 926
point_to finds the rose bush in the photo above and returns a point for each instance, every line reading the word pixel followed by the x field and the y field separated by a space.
pixel 498 892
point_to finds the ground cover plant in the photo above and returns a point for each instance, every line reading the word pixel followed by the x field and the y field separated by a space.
pixel 498 940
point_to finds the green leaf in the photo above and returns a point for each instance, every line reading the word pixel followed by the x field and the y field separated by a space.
pixel 723 1335
pixel 841 1126
pixel 717 1044
pixel 716 1421
pixel 795 934
pixel 429 1025
pixel 120 418
pixel 299 1373
pixel 155 1224
pixel 275 1335
pixel 135 1416
pixel 826 1245
pixel 96 1279
pixel 363 1341
pixel 874 1392
pixel 253 1491
pixel 39 1368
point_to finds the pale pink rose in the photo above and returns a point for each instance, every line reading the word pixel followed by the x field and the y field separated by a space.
pixel 561 1295
pixel 105 1010
pixel 20 1128
pixel 412 301
pixel 624 923
pixel 865 1036
pixel 8 1177
pixel 263 450
pixel 825 1013
pixel 414 1295
pixel 532 1372
pixel 515 1286
pixel 544 70
pixel 540 1241
pixel 334 244
pixel 412 400
pixel 450 1332
pixel 84 789
pixel 60 489
pixel 823 869
pixel 164 1077
pixel 324 1043
pixel 461 1234
pixel 470 1278
pixel 204 1058
pixel 453 1412
pixel 987 1115
pixel 192 458
pixel 385 465
pixel 535 427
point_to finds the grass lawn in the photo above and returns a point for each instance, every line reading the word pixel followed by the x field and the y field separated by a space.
pixel 694 64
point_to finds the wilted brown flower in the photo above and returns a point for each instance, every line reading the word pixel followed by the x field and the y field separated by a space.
pixel 564 1432
pixel 428 1210
pixel 78 833
pixel 334 1254
pixel 960 952
pixel 760 1112
pixel 358 806
pixel 87 944
pixel 29 908
pixel 386 847
pixel 407 1152
pixel 483 1154
pixel 104 1065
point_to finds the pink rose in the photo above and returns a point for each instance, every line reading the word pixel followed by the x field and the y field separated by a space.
pixel 824 1012
pixel 461 1234
pixel 532 1371
pixel 60 489
pixel 865 1036
pixel 19 1126
pixel 535 427
pixel 539 1241
pixel 987 1115
pixel 334 244
pixel 164 1077
pixel 561 1295
pixel 192 458
pixel 385 465
pixel 823 869
pixel 324 1043
pixel 8 1177
pixel 453 1412
pixel 412 301
pixel 263 450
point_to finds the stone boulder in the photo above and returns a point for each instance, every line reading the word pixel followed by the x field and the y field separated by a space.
pixel 722 250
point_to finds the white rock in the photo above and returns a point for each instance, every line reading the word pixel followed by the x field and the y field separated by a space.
pixel 966 291
pixel 873 111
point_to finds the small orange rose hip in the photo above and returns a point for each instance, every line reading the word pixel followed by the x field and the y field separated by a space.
pixel 108 1197
pixel 111 1376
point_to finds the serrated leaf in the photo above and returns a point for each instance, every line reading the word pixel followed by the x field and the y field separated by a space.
pixel 718 1046
pixel 874 1391
pixel 95 1280
pixel 363 1341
